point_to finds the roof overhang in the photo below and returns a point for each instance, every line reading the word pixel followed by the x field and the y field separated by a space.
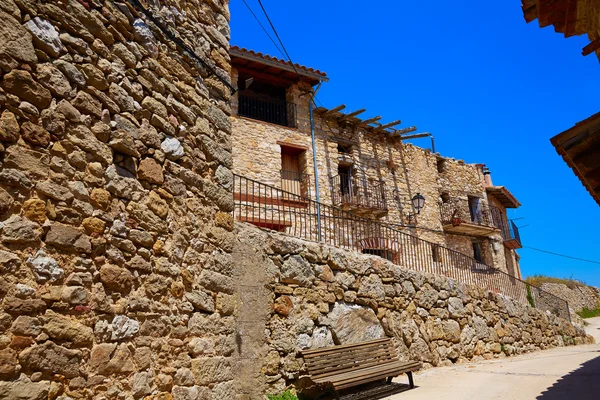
pixel 579 146
pixel 569 17
pixel 272 68
pixel 503 195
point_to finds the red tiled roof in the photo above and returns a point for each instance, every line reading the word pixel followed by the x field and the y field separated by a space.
pixel 267 57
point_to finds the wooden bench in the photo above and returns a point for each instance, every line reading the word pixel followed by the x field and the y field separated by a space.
pixel 345 366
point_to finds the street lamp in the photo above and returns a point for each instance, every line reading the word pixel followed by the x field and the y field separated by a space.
pixel 418 202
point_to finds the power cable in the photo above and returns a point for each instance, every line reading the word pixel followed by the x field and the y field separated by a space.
pixel 562 255
pixel 167 32
pixel 277 35
pixel 264 29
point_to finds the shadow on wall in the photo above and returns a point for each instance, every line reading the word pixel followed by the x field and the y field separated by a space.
pixel 581 384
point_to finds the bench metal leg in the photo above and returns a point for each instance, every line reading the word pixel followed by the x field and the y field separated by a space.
pixel 389 379
pixel 410 380
pixel 328 392
pixel 337 395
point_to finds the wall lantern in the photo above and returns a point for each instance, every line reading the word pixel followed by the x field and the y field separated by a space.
pixel 418 202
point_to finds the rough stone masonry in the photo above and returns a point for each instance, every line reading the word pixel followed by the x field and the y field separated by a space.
pixel 115 224
pixel 319 296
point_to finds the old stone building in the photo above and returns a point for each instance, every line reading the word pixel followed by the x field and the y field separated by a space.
pixel 363 167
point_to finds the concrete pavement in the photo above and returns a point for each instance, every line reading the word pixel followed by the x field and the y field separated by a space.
pixel 560 373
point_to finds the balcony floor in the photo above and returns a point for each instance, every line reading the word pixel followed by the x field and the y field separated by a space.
pixel 360 209
pixel 512 244
pixel 468 228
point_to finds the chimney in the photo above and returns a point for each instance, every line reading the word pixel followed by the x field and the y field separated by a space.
pixel 487 177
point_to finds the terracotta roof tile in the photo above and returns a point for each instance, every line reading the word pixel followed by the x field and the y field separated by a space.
pixel 279 60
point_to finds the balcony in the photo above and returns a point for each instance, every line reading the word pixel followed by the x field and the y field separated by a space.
pixel 268 109
pixel 461 216
pixel 359 196
pixel 511 236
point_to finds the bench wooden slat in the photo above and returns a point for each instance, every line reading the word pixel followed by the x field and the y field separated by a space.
pixel 371 371
pixel 357 363
pixel 365 376
pixel 338 368
pixel 369 379
pixel 334 349
pixel 349 359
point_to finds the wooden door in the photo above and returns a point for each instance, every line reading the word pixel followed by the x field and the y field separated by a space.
pixel 475 210
pixel 290 172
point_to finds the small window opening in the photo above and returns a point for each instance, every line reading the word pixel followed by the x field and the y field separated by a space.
pixel 435 253
pixel 445 197
pixel 441 165
pixel 344 149
pixel 387 254
pixel 477 254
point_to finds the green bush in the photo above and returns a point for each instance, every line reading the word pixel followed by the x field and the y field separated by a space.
pixel 530 297
pixel 537 280
pixel 287 395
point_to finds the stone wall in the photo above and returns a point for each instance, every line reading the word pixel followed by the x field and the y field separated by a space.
pixel 115 224
pixel 320 296
pixel 578 296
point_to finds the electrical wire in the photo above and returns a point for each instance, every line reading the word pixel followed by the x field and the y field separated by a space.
pixel 264 29
pixel 170 35
pixel 277 35
pixel 562 255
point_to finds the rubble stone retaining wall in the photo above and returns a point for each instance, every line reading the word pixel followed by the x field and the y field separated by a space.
pixel 320 296
pixel 115 200
pixel 578 296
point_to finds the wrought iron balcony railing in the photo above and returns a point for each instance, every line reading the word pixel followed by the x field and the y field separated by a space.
pixel 268 109
pixel 511 235
pixel 460 215
pixel 358 195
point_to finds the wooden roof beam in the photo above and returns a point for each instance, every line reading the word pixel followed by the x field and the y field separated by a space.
pixel 418 135
pixel 370 120
pixel 403 131
pixel 590 48
pixel 389 125
pixel 333 110
pixel 352 114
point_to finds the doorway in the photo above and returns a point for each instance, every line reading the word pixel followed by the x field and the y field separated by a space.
pixel 291 173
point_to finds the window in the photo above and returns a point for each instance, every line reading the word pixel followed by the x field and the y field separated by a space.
pixel 477 253
pixel 435 253
pixel 441 165
pixel 387 254
pixel 344 149
pixel 445 197
pixel 265 102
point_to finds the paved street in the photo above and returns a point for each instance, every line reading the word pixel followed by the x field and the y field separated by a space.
pixel 560 373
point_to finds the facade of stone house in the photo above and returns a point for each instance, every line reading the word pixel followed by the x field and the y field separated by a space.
pixel 363 167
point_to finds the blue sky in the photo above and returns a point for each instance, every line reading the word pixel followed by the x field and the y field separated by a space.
pixel 488 86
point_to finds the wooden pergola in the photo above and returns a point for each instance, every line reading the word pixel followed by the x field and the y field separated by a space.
pixel 372 125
